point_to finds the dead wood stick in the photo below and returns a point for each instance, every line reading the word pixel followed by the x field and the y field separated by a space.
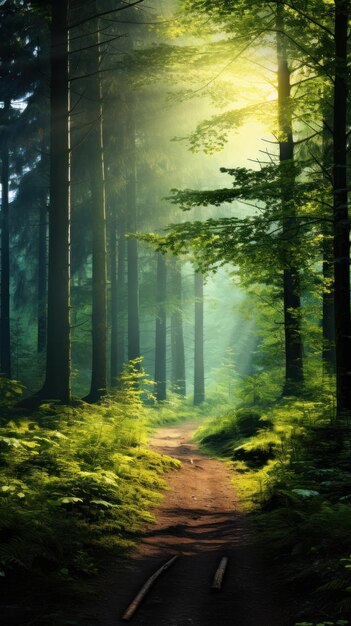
pixel 219 575
pixel 145 589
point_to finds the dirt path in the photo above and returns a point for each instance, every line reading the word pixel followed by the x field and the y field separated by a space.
pixel 199 520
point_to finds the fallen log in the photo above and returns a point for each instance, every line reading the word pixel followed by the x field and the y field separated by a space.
pixel 219 575
pixel 128 614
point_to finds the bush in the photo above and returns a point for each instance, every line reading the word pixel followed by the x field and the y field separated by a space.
pixel 75 484
pixel 248 421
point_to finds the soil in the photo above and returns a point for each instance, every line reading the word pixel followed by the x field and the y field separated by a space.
pixel 199 519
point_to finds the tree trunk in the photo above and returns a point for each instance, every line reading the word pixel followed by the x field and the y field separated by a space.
pixel 291 280
pixel 161 329
pixel 5 331
pixel 199 370
pixel 114 297
pixel 118 270
pixel 58 364
pixel 177 337
pixel 340 214
pixel 121 302
pixel 97 180
pixel 42 270
pixel 118 285
pixel 132 246
pixel 328 323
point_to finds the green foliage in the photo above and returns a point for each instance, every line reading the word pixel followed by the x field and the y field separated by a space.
pixel 75 484
pixel 174 410
pixel 291 462
pixel 10 393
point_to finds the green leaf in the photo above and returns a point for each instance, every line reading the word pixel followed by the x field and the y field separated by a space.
pixel 104 503
pixel 306 493
pixel 68 500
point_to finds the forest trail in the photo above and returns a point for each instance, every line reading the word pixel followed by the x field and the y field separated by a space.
pixel 199 519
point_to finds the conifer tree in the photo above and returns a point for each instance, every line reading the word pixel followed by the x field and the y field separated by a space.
pixel 57 383
pixel 199 368
pixel 161 328
pixel 97 181
pixel 177 336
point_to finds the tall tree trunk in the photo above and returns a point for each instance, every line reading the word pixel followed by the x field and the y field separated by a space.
pixel 328 312
pixel 328 323
pixel 132 246
pixel 58 363
pixel 117 276
pixel 161 329
pixel 199 369
pixel 97 180
pixel 291 280
pixel 114 296
pixel 121 303
pixel 177 337
pixel 5 336
pixel 42 269
pixel 340 213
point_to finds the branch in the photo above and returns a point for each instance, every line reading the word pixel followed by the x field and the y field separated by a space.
pixel 96 45
pixel 303 49
pixel 97 15
pixel 296 143
pixel 305 15
pixel 238 55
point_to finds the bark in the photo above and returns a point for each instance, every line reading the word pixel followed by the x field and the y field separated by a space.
pixel 121 302
pixel 114 297
pixel 291 280
pixel 328 312
pixel 177 336
pixel 132 245
pixel 97 180
pixel 42 270
pixel 58 363
pixel 5 331
pixel 328 323
pixel 199 369
pixel 117 277
pixel 161 329
pixel 340 214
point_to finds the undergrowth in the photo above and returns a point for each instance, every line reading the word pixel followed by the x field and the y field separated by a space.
pixel 292 471
pixel 76 485
pixel 177 409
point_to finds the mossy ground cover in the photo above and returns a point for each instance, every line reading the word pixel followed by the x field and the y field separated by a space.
pixel 77 484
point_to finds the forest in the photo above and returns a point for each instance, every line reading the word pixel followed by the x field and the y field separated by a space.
pixel 175 321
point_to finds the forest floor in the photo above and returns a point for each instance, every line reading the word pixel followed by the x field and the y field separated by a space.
pixel 200 520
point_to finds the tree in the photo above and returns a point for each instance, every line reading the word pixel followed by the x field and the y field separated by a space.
pixel 316 54
pixel 57 383
pixel 132 244
pixel 97 181
pixel 161 328
pixel 291 279
pixel 42 260
pixel 199 369
pixel 340 211
pixel 177 337
pixel 16 61
pixel 5 341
